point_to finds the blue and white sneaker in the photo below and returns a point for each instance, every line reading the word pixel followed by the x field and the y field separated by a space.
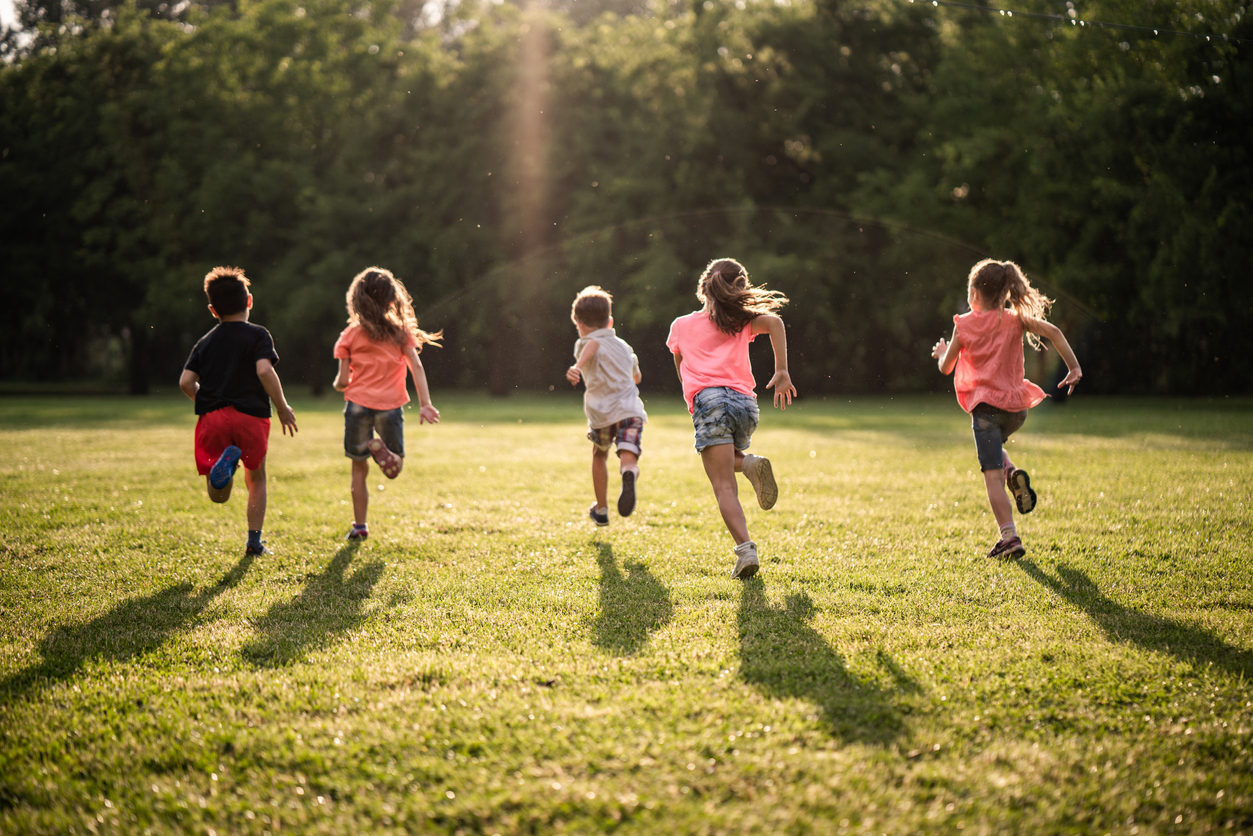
pixel 224 468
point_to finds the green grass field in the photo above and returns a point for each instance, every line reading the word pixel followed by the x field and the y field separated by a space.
pixel 489 662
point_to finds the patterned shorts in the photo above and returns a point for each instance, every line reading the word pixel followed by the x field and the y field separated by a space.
pixel 626 434
pixel 724 416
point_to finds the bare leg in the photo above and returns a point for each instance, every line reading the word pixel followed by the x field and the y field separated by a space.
pixel 600 476
pixel 720 461
pixel 360 492
pixel 219 495
pixel 627 461
pixel 1001 509
pixel 739 461
pixel 255 480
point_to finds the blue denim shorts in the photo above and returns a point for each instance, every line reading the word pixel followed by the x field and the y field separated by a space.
pixel 992 426
pixel 361 423
pixel 724 416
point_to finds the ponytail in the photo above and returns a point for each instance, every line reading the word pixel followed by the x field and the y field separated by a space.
pixel 998 282
pixel 731 299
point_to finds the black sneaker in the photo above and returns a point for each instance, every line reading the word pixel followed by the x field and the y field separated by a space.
pixel 1010 547
pixel 257 550
pixel 600 519
pixel 626 499
pixel 1020 486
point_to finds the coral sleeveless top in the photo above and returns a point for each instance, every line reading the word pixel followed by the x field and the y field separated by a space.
pixel 990 365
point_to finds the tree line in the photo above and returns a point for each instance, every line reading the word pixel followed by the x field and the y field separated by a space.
pixel 858 156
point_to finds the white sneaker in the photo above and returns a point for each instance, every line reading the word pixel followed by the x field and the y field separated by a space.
pixel 761 476
pixel 746 563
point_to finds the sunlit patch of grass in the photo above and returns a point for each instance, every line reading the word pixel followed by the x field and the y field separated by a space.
pixel 488 661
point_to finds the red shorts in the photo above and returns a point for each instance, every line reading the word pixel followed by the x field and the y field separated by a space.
pixel 219 429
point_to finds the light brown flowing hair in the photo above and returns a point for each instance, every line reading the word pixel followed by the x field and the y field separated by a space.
pixel 998 282
pixel 379 303
pixel 731 299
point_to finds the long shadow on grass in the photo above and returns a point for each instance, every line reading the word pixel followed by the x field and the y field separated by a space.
pixel 131 629
pixel 631 607
pixel 1152 632
pixel 328 606
pixel 781 654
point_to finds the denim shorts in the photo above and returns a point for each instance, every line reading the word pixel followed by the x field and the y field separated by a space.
pixel 724 416
pixel 992 426
pixel 626 434
pixel 361 423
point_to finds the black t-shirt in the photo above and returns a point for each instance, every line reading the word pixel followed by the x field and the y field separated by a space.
pixel 226 360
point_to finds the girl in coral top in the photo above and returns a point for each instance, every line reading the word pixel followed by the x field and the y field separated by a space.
pixel 710 349
pixel 376 350
pixel 986 352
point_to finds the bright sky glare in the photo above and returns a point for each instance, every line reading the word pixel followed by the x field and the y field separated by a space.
pixel 7 15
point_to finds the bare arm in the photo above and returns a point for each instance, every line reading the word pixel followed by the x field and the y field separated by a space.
pixel 189 382
pixel 274 388
pixel 781 382
pixel 575 372
pixel 426 410
pixel 343 376
pixel 678 365
pixel 1054 335
pixel 636 375
pixel 946 353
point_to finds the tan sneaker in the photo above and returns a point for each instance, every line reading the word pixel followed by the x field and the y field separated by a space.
pixel 761 476
pixel 746 563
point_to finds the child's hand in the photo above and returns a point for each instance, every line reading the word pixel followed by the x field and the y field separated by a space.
pixel 573 375
pixel 938 350
pixel 287 417
pixel 1071 378
pixel 428 414
pixel 784 391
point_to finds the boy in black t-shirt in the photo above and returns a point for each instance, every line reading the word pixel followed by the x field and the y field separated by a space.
pixel 230 375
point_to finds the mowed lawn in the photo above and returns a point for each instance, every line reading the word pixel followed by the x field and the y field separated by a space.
pixel 490 662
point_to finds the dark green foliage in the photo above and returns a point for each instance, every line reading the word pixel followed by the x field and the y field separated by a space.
pixel 498 159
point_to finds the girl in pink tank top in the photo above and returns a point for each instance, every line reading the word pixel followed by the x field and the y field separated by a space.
pixel 710 349
pixel 986 357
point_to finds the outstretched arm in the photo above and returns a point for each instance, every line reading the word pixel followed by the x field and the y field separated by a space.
pixel 575 372
pixel 273 388
pixel 1054 335
pixel 946 353
pixel 781 382
pixel 426 410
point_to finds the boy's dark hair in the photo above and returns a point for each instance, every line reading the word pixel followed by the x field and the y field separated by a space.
pixel 227 289
pixel 592 307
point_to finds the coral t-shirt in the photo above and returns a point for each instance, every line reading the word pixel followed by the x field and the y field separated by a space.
pixel 378 369
pixel 711 357
pixel 990 363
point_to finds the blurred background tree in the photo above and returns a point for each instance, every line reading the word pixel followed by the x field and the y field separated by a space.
pixel 858 156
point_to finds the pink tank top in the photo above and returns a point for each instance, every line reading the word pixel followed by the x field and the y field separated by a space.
pixel 990 365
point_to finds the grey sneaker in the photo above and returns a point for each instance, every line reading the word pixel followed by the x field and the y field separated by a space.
pixel 761 476
pixel 746 563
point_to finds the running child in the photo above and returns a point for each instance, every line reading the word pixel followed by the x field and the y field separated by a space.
pixel 611 398
pixel 230 376
pixel 986 352
pixel 381 342
pixel 710 349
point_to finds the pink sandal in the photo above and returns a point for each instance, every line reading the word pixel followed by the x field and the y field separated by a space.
pixel 388 461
